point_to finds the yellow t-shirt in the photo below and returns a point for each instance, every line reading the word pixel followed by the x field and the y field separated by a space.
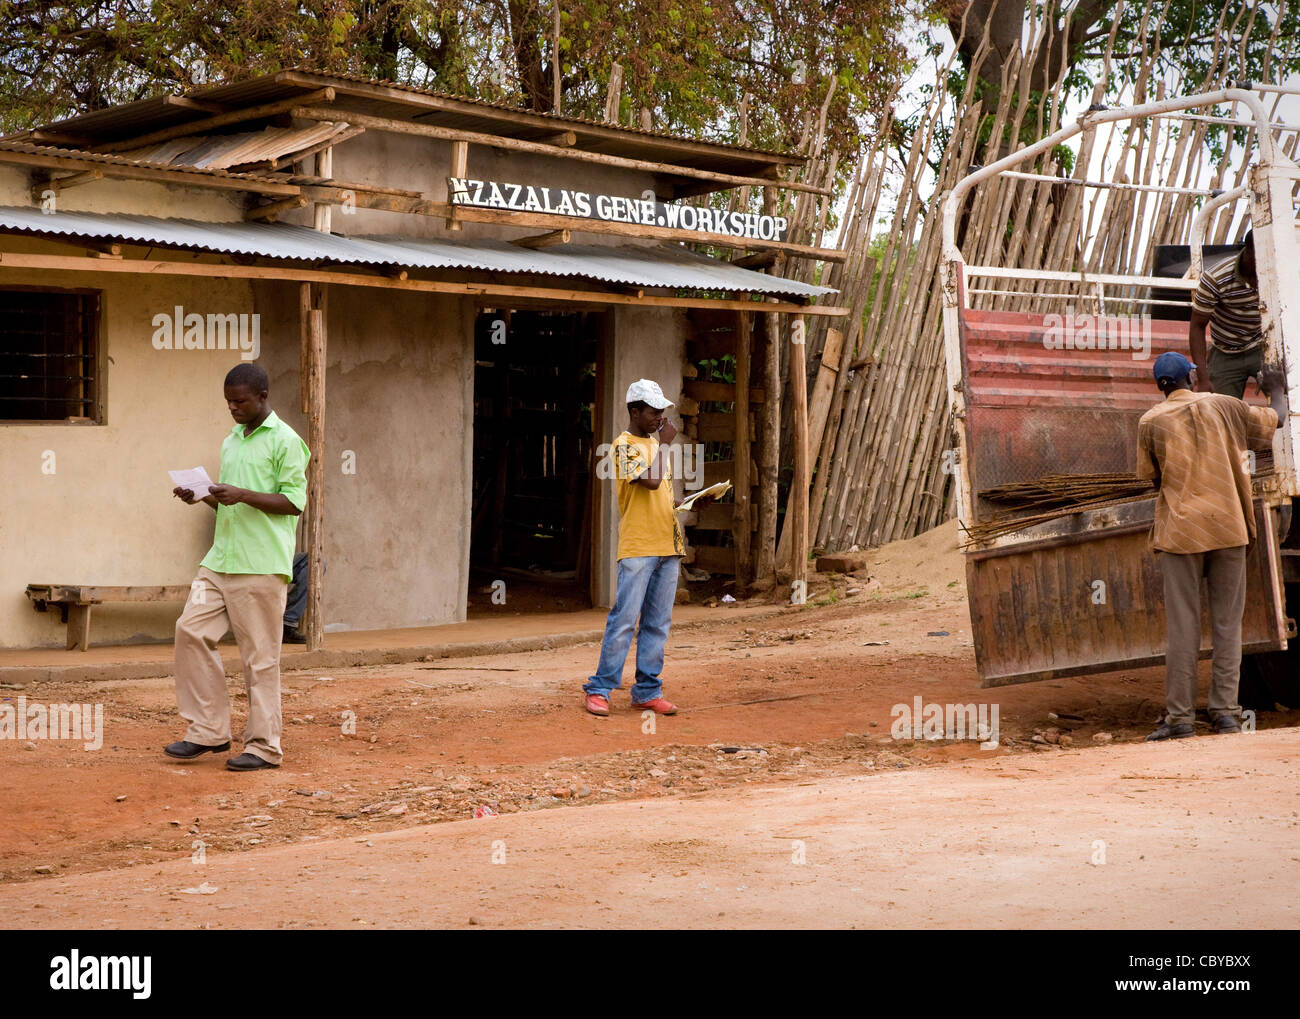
pixel 647 521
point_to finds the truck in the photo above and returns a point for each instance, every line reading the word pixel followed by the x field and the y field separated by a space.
pixel 1081 592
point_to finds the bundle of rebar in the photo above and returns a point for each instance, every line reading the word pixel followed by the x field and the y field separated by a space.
pixel 986 530
pixel 1053 490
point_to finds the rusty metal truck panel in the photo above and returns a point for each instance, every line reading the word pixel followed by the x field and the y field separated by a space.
pixel 1090 598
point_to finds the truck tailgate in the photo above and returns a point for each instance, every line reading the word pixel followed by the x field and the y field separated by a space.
pixel 1082 593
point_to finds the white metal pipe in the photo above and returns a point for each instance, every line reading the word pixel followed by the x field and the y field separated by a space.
pixel 1091 119
pixel 1085 278
pixel 1286 90
pixel 1202 222
pixel 1232 121
pixel 1118 186
pixel 1074 297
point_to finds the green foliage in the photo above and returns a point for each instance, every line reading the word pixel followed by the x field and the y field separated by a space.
pixel 689 62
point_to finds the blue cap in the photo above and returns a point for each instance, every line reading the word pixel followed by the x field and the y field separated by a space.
pixel 1172 365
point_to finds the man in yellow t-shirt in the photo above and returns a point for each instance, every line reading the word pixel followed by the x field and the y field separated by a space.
pixel 650 548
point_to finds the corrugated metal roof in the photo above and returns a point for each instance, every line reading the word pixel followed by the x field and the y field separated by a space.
pixel 217 152
pixel 112 159
pixel 663 266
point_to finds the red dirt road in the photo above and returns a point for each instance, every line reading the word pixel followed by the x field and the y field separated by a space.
pixel 779 716
pixel 1133 836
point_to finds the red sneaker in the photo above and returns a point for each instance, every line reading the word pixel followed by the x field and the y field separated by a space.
pixel 659 706
pixel 597 704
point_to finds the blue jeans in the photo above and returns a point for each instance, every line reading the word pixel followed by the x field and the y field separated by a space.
pixel 296 604
pixel 647 587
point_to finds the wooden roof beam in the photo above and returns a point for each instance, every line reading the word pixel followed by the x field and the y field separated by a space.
pixel 324 95
pixel 270 213
pixel 130 171
pixel 600 133
pixel 186 103
pixel 545 240
pixel 548 221
pixel 153 267
pixel 306 112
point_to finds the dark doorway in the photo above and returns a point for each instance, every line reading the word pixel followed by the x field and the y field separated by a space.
pixel 534 391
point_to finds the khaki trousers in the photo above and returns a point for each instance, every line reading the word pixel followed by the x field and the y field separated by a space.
pixel 1225 570
pixel 252 606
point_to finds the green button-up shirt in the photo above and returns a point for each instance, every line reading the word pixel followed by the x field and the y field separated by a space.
pixel 247 540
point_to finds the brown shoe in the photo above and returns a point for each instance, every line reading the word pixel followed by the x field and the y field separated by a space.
pixel 184 750
pixel 248 762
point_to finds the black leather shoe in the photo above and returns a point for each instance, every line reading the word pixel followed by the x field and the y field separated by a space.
pixel 183 750
pixel 248 762
pixel 1225 724
pixel 1167 731
pixel 292 636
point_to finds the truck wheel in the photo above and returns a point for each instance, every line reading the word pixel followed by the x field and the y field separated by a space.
pixel 1274 675
pixel 1254 691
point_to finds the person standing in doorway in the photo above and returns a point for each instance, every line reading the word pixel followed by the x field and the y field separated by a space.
pixel 243 580
pixel 1193 448
pixel 650 550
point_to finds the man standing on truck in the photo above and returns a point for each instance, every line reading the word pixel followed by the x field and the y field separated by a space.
pixel 1227 300
pixel 1193 448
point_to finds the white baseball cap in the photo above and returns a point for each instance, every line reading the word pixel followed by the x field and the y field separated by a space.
pixel 647 391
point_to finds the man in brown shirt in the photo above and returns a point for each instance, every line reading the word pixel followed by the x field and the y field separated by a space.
pixel 1193 447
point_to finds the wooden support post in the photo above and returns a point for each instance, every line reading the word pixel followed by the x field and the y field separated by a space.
pixel 818 410
pixel 315 476
pixel 742 514
pixel 324 168
pixel 459 168
pixel 304 343
pixel 769 451
pixel 78 627
pixel 770 448
pixel 797 506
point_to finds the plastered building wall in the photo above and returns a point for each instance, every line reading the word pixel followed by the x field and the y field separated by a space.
pixel 399 399
pixel 398 429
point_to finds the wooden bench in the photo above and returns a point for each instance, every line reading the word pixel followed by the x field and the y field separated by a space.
pixel 74 601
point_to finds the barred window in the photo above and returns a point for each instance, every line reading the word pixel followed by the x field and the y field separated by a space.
pixel 50 364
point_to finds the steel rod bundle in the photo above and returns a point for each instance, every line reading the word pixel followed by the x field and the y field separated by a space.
pixel 1065 490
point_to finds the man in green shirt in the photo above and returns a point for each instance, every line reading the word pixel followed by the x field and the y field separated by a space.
pixel 243 580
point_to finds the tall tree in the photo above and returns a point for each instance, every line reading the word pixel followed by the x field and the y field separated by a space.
pixel 688 62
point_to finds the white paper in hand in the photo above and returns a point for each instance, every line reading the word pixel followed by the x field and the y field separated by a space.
pixel 195 479
pixel 712 492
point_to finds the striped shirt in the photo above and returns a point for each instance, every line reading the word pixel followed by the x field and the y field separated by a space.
pixel 1232 305
pixel 1195 443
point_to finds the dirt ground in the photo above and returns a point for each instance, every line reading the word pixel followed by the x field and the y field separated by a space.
pixel 772 711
